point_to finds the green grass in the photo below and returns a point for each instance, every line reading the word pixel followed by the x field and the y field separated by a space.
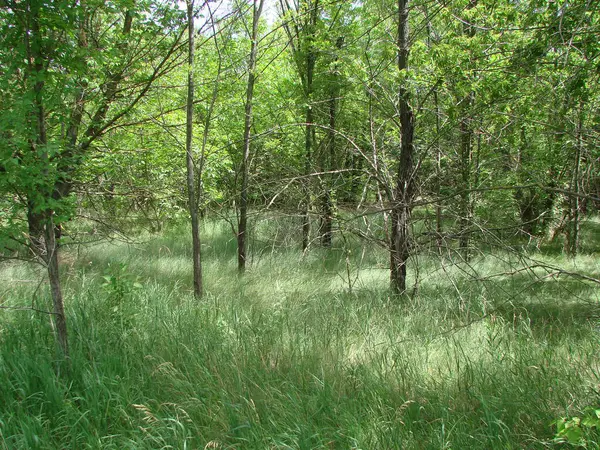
pixel 295 355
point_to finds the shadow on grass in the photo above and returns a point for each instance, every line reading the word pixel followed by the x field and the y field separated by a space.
pixel 555 320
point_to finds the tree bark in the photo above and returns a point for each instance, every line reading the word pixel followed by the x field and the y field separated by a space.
pixel 403 193
pixel 196 256
pixel 243 204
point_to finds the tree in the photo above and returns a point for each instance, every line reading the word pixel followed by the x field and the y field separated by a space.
pixel 405 178
pixel 300 24
pixel 193 207
pixel 257 7
pixel 74 76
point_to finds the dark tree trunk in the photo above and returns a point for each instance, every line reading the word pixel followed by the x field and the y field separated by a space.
pixel 309 131
pixel 527 199
pixel 35 224
pixel 196 245
pixel 403 193
pixel 438 148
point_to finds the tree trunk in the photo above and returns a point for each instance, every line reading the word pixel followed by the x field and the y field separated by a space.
pixel 438 148
pixel 300 27
pixel 328 165
pixel 403 193
pixel 527 198
pixel 308 141
pixel 196 246
pixel 330 157
pixel 576 187
pixel 439 226
pixel 379 186
pixel 55 286
pixel 466 157
pixel 243 204
pixel 43 220
pixel 35 227
pixel 311 58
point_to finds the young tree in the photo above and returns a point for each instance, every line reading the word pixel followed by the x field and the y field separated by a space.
pixel 189 134
pixel 405 178
pixel 257 7
pixel 300 23
pixel 74 76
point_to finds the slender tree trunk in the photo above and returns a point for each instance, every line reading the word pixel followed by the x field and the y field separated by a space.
pixel 243 204
pixel 466 156
pixel 300 26
pixel 308 143
pixel 311 58
pixel 35 227
pixel 70 159
pixel 55 286
pixel 330 157
pixel 327 211
pixel 209 114
pixel 402 202
pixel 526 198
pixel 43 219
pixel 552 224
pixel 438 148
pixel 376 167
pixel 196 256
pixel 576 186
pixel 439 227
pixel 67 163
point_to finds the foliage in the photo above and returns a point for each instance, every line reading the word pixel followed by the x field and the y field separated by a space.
pixel 118 284
pixel 575 430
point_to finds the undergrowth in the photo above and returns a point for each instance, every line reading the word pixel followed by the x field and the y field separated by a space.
pixel 304 352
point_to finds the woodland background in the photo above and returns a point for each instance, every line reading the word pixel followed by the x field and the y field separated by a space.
pixel 394 224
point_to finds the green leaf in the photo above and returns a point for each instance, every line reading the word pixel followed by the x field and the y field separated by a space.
pixel 573 434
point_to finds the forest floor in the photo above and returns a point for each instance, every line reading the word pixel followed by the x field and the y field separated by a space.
pixel 303 352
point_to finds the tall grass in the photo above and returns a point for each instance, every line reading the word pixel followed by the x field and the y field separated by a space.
pixel 304 352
